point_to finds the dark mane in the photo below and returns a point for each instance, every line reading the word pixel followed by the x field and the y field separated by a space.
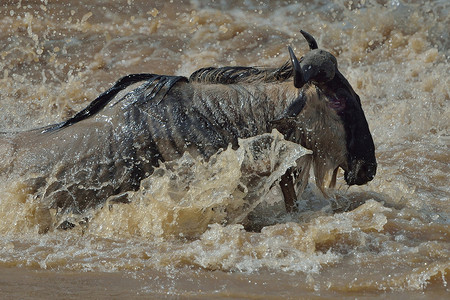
pixel 158 82
pixel 231 75
pixel 155 83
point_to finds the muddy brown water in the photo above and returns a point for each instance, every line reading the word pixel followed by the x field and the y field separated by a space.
pixel 388 238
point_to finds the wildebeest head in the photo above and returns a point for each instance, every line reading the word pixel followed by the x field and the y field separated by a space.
pixel 319 68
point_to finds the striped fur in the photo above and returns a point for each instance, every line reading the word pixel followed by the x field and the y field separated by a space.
pixel 108 148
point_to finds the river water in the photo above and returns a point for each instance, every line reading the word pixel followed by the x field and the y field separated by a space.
pixel 184 233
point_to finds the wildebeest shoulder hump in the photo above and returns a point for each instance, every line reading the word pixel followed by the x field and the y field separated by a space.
pixel 233 75
pixel 158 81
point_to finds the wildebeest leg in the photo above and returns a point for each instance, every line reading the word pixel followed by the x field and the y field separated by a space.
pixel 287 187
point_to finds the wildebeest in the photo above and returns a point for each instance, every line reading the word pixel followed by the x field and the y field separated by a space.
pixel 106 149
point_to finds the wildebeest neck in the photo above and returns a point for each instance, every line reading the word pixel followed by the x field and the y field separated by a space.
pixel 311 122
pixel 225 111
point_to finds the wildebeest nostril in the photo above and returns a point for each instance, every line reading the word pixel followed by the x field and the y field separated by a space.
pixel 360 172
pixel 366 173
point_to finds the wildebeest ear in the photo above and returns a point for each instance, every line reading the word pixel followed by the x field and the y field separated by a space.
pixel 295 107
pixel 288 117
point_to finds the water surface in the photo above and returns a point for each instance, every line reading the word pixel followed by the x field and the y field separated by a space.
pixel 185 236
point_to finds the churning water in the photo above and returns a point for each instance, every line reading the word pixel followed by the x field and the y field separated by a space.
pixel 183 234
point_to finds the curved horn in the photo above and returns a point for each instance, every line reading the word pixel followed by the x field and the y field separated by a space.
pixel 299 80
pixel 317 65
pixel 309 38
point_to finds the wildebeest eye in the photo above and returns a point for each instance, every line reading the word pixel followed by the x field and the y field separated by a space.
pixel 339 100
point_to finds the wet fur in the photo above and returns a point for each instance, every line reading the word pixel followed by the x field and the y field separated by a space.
pixel 322 131
pixel 242 75
pixel 156 118
pixel 318 127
